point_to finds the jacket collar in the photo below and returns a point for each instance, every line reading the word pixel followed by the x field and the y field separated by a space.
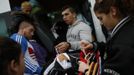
pixel 118 27
pixel 75 23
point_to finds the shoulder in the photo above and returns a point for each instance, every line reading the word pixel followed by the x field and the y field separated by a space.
pixel 18 38
pixel 82 25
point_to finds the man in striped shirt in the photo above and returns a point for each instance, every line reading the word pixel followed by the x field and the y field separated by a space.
pixel 25 32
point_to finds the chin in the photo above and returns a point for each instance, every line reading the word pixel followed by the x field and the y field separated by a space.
pixel 67 22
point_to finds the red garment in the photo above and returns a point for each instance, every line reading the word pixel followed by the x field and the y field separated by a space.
pixel 89 56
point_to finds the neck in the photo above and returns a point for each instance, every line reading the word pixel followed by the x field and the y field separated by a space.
pixel 115 22
pixel 74 21
pixel 20 32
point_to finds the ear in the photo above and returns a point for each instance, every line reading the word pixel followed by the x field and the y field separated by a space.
pixel 113 11
pixel 23 31
pixel 74 15
pixel 13 67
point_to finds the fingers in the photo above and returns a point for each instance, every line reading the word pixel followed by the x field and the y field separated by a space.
pixel 60 44
pixel 84 41
pixel 89 46
pixel 62 57
pixel 85 45
pixel 62 47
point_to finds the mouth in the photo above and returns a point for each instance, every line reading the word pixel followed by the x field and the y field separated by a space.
pixel 66 21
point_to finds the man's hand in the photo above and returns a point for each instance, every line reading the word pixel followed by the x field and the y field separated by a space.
pixel 62 47
pixel 85 45
pixel 62 57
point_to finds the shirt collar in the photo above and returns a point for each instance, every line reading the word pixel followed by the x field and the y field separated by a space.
pixel 75 23
pixel 119 25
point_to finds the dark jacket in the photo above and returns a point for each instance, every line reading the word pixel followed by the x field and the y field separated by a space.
pixel 120 50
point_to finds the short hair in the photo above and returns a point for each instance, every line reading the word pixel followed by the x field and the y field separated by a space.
pixel 18 18
pixel 9 50
pixel 25 4
pixel 23 26
pixel 72 10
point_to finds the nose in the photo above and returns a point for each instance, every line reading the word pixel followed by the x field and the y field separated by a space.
pixel 101 23
pixel 64 17
pixel 32 33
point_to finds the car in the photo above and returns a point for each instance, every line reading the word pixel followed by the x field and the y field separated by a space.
pixel 49 15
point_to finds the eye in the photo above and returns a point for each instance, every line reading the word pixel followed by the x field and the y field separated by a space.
pixel 32 30
pixel 100 18
pixel 66 14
